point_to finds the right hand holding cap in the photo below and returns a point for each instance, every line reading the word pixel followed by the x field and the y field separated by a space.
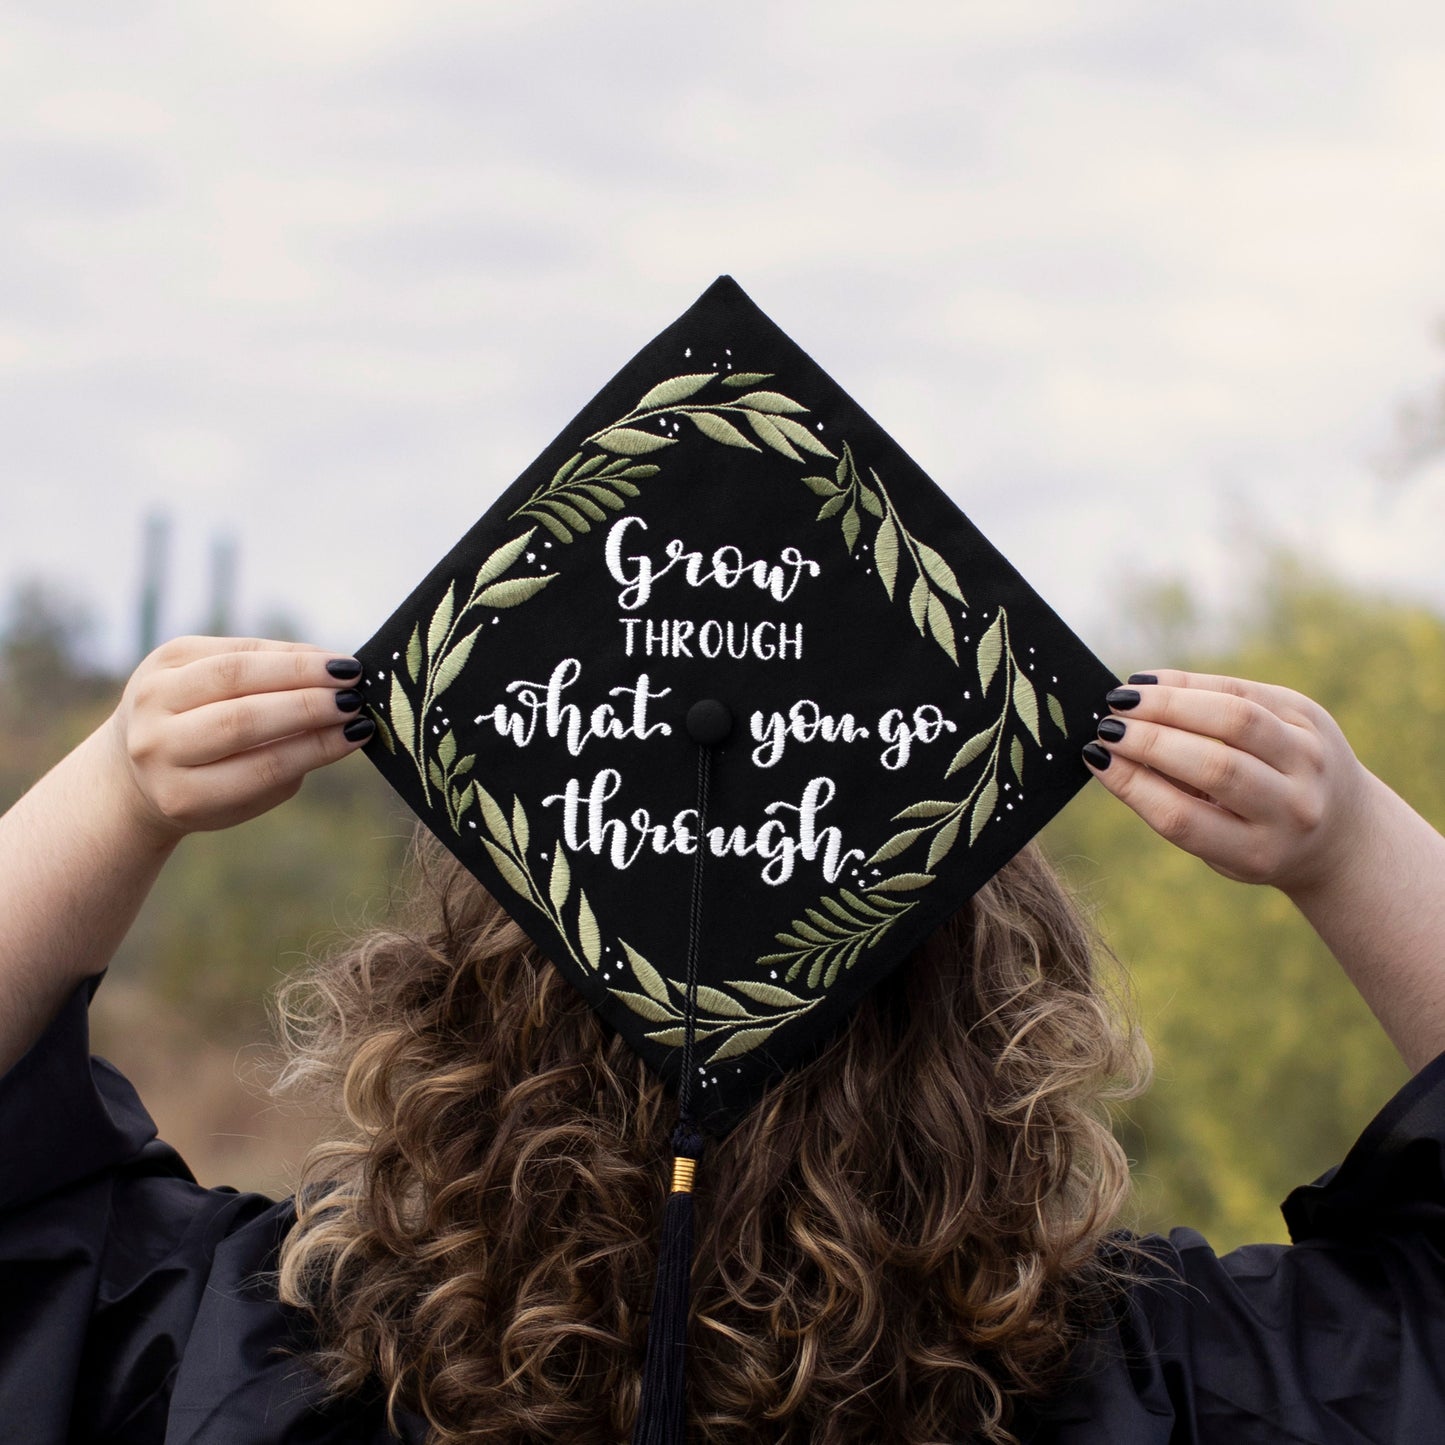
pixel 211 731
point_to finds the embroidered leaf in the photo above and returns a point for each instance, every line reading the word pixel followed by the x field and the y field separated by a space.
pixel 901 883
pixel 465 799
pixel 807 931
pixel 592 464
pixel 501 559
pixel 971 749
pixel 940 625
pixel 435 774
pixel 578 498
pixel 565 470
pixel 800 436
pixel 854 901
pixel 845 465
pixel 942 844
pixel 670 1038
pixel 521 830
pixel 983 809
pixel 465 766
pixel 413 654
pixel 773 401
pixel 850 528
pixel 832 506
pixel 492 815
pixel 838 911
pixel 918 602
pixel 382 731
pixel 768 993
pixel 767 430
pixel 1056 712
pixel 402 717
pixel 560 883
pixel 514 590
pixel 645 974
pixel 588 934
pixel 516 879
pixel 624 485
pixel 605 495
pixel 630 441
pixel 885 555
pixel 1016 760
pixel 675 389
pixel 441 619
pixel 566 511
pixel 827 925
pixel 929 808
pixel 645 1007
pixel 990 649
pixel 1026 701
pixel 870 500
pixel 895 845
pixel 456 659
pixel 719 429
pixel 741 1043
pixel 550 523
pixel 942 574
pixel 718 1003
pixel 447 748
pixel 821 485
pixel 747 378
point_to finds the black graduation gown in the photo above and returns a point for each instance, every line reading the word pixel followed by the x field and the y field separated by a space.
pixel 134 1304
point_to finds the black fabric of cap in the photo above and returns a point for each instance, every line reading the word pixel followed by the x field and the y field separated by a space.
pixel 723 552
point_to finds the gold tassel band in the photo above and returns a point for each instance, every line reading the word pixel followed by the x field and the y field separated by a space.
pixel 683 1171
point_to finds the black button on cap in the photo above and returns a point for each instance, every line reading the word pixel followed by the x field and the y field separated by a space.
pixel 709 722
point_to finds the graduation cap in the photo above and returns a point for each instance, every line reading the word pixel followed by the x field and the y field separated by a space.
pixel 730 706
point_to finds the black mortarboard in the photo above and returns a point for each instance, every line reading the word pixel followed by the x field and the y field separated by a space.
pixel 724 591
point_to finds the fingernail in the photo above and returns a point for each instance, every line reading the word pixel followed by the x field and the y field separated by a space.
pixel 344 667
pixel 350 700
pixel 1142 677
pixel 1122 697
pixel 1096 756
pixel 1111 729
pixel 358 728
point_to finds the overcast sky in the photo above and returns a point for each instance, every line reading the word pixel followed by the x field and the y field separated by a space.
pixel 1126 278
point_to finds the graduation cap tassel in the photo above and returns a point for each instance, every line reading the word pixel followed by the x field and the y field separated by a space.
pixel 662 1413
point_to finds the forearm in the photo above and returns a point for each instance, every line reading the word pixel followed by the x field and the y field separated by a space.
pixel 1381 912
pixel 76 863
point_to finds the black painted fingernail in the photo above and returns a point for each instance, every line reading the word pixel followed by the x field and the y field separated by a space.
pixel 1111 729
pixel 350 700
pixel 344 667
pixel 1095 755
pixel 1142 677
pixel 1122 697
pixel 358 728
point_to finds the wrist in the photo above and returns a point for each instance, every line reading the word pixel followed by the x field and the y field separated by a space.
pixel 129 810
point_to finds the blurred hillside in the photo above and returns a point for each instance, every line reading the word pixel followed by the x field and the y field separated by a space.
pixel 1268 1063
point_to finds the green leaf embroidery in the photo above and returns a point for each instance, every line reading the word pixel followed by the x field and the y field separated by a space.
pixel 941 573
pixel 940 625
pixel 768 432
pixel 521 832
pixel 1016 760
pixel 800 436
pixel 918 602
pixel 1057 713
pixel 832 506
pixel 388 739
pixel 740 1043
pixel 645 1007
pixel 716 1002
pixel 402 717
pixel 871 501
pixel 501 559
pixel 492 815
pixel 514 590
pixel 773 401
pixel 560 883
pixel 435 774
pixel 551 524
pixel 719 429
pixel 901 883
pixel 441 619
pixel 588 934
pixel 675 389
pixel 767 993
pixel 929 808
pixel 746 378
pixel 609 499
pixel 413 653
pixel 885 555
pixel 447 749
pixel 983 809
pixel 895 845
pixel 850 528
pixel 990 650
pixel 515 878
pixel 821 486
pixel 1027 703
pixel 568 514
pixel 456 659
pixel 971 749
pixel 644 973
pixel 629 441
pixel 942 844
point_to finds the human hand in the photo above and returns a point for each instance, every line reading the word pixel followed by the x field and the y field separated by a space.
pixel 211 731
pixel 1256 780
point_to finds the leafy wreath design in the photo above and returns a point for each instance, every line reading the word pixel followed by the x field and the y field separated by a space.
pixel 601 477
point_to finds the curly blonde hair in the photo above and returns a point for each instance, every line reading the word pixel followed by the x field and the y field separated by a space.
pixel 901 1241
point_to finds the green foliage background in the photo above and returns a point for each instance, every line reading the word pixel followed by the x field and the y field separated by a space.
pixel 1268 1063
